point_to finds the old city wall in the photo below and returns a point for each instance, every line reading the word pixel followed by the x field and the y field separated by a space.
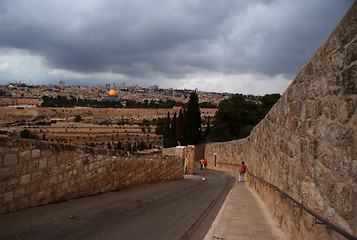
pixel 34 173
pixel 307 144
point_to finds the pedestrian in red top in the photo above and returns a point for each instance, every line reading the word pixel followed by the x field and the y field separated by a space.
pixel 205 163
pixel 242 171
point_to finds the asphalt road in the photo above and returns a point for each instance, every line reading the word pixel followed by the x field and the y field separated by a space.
pixel 182 209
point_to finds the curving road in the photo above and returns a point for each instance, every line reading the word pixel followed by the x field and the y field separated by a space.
pixel 182 209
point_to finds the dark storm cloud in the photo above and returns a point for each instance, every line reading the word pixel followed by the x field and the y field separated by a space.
pixel 170 38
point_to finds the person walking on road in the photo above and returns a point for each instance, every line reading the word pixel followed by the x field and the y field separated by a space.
pixel 242 171
pixel 201 162
pixel 205 163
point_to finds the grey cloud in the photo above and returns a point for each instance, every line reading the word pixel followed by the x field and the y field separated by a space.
pixel 169 38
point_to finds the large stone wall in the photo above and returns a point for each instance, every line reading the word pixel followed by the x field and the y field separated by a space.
pixel 306 145
pixel 34 173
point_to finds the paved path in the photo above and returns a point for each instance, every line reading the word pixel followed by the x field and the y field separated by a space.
pixel 182 210
pixel 244 216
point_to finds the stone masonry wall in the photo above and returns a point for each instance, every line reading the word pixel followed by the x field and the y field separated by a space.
pixel 307 143
pixel 34 173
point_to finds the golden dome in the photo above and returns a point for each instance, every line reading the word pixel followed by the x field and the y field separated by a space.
pixel 112 93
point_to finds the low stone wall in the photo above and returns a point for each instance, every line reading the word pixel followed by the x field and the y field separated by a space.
pixel 306 145
pixel 186 153
pixel 34 173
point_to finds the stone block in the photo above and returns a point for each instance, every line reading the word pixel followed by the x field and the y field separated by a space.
pixel 24 156
pixel 55 170
pixel 349 82
pixel 344 201
pixel 91 167
pixel 69 166
pixel 346 110
pixel 12 184
pixel 60 178
pixel 43 163
pixel 340 165
pixel 62 158
pixel 354 170
pixel 53 181
pixel 6 173
pixel 36 177
pixel 325 156
pixel 61 196
pixel 23 203
pixel 33 166
pixel 339 135
pixel 62 169
pixel 43 184
pixel 10 159
pixel 33 200
pixel 46 153
pixel 64 186
pixel 333 109
pixel 79 163
pixel 19 193
pixel 51 161
pixel 351 53
pixel 12 207
pixel 46 173
pixel 21 169
pixel 26 179
pixel 8 197
pixel 3 186
pixel 338 58
pixel 313 110
pixel 32 188
pixel 41 195
pixel 36 153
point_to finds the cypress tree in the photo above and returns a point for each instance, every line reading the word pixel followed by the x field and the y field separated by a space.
pixel 172 136
pixel 179 123
pixel 167 131
pixel 191 128
pixel 208 129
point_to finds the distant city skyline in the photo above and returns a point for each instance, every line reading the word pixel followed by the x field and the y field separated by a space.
pixel 249 47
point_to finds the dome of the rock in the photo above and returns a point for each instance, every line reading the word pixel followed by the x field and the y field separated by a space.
pixel 112 93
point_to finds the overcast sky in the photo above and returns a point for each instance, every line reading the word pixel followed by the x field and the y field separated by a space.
pixel 237 46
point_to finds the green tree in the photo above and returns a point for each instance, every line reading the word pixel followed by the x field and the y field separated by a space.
pixel 208 129
pixel 91 145
pixel 166 136
pixel 179 124
pixel 268 101
pixel 219 133
pixel 119 146
pixel 25 133
pixel 28 134
pixel 191 127
pixel 172 135
pixel 77 118
pixel 128 147
pixel 160 126
pixel 240 116
pixel 236 113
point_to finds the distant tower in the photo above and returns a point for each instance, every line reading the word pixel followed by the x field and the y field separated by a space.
pixel 122 85
pixel 62 84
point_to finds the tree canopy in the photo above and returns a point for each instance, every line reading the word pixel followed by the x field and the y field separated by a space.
pixel 237 116
pixel 191 128
pixel 235 119
pixel 184 129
